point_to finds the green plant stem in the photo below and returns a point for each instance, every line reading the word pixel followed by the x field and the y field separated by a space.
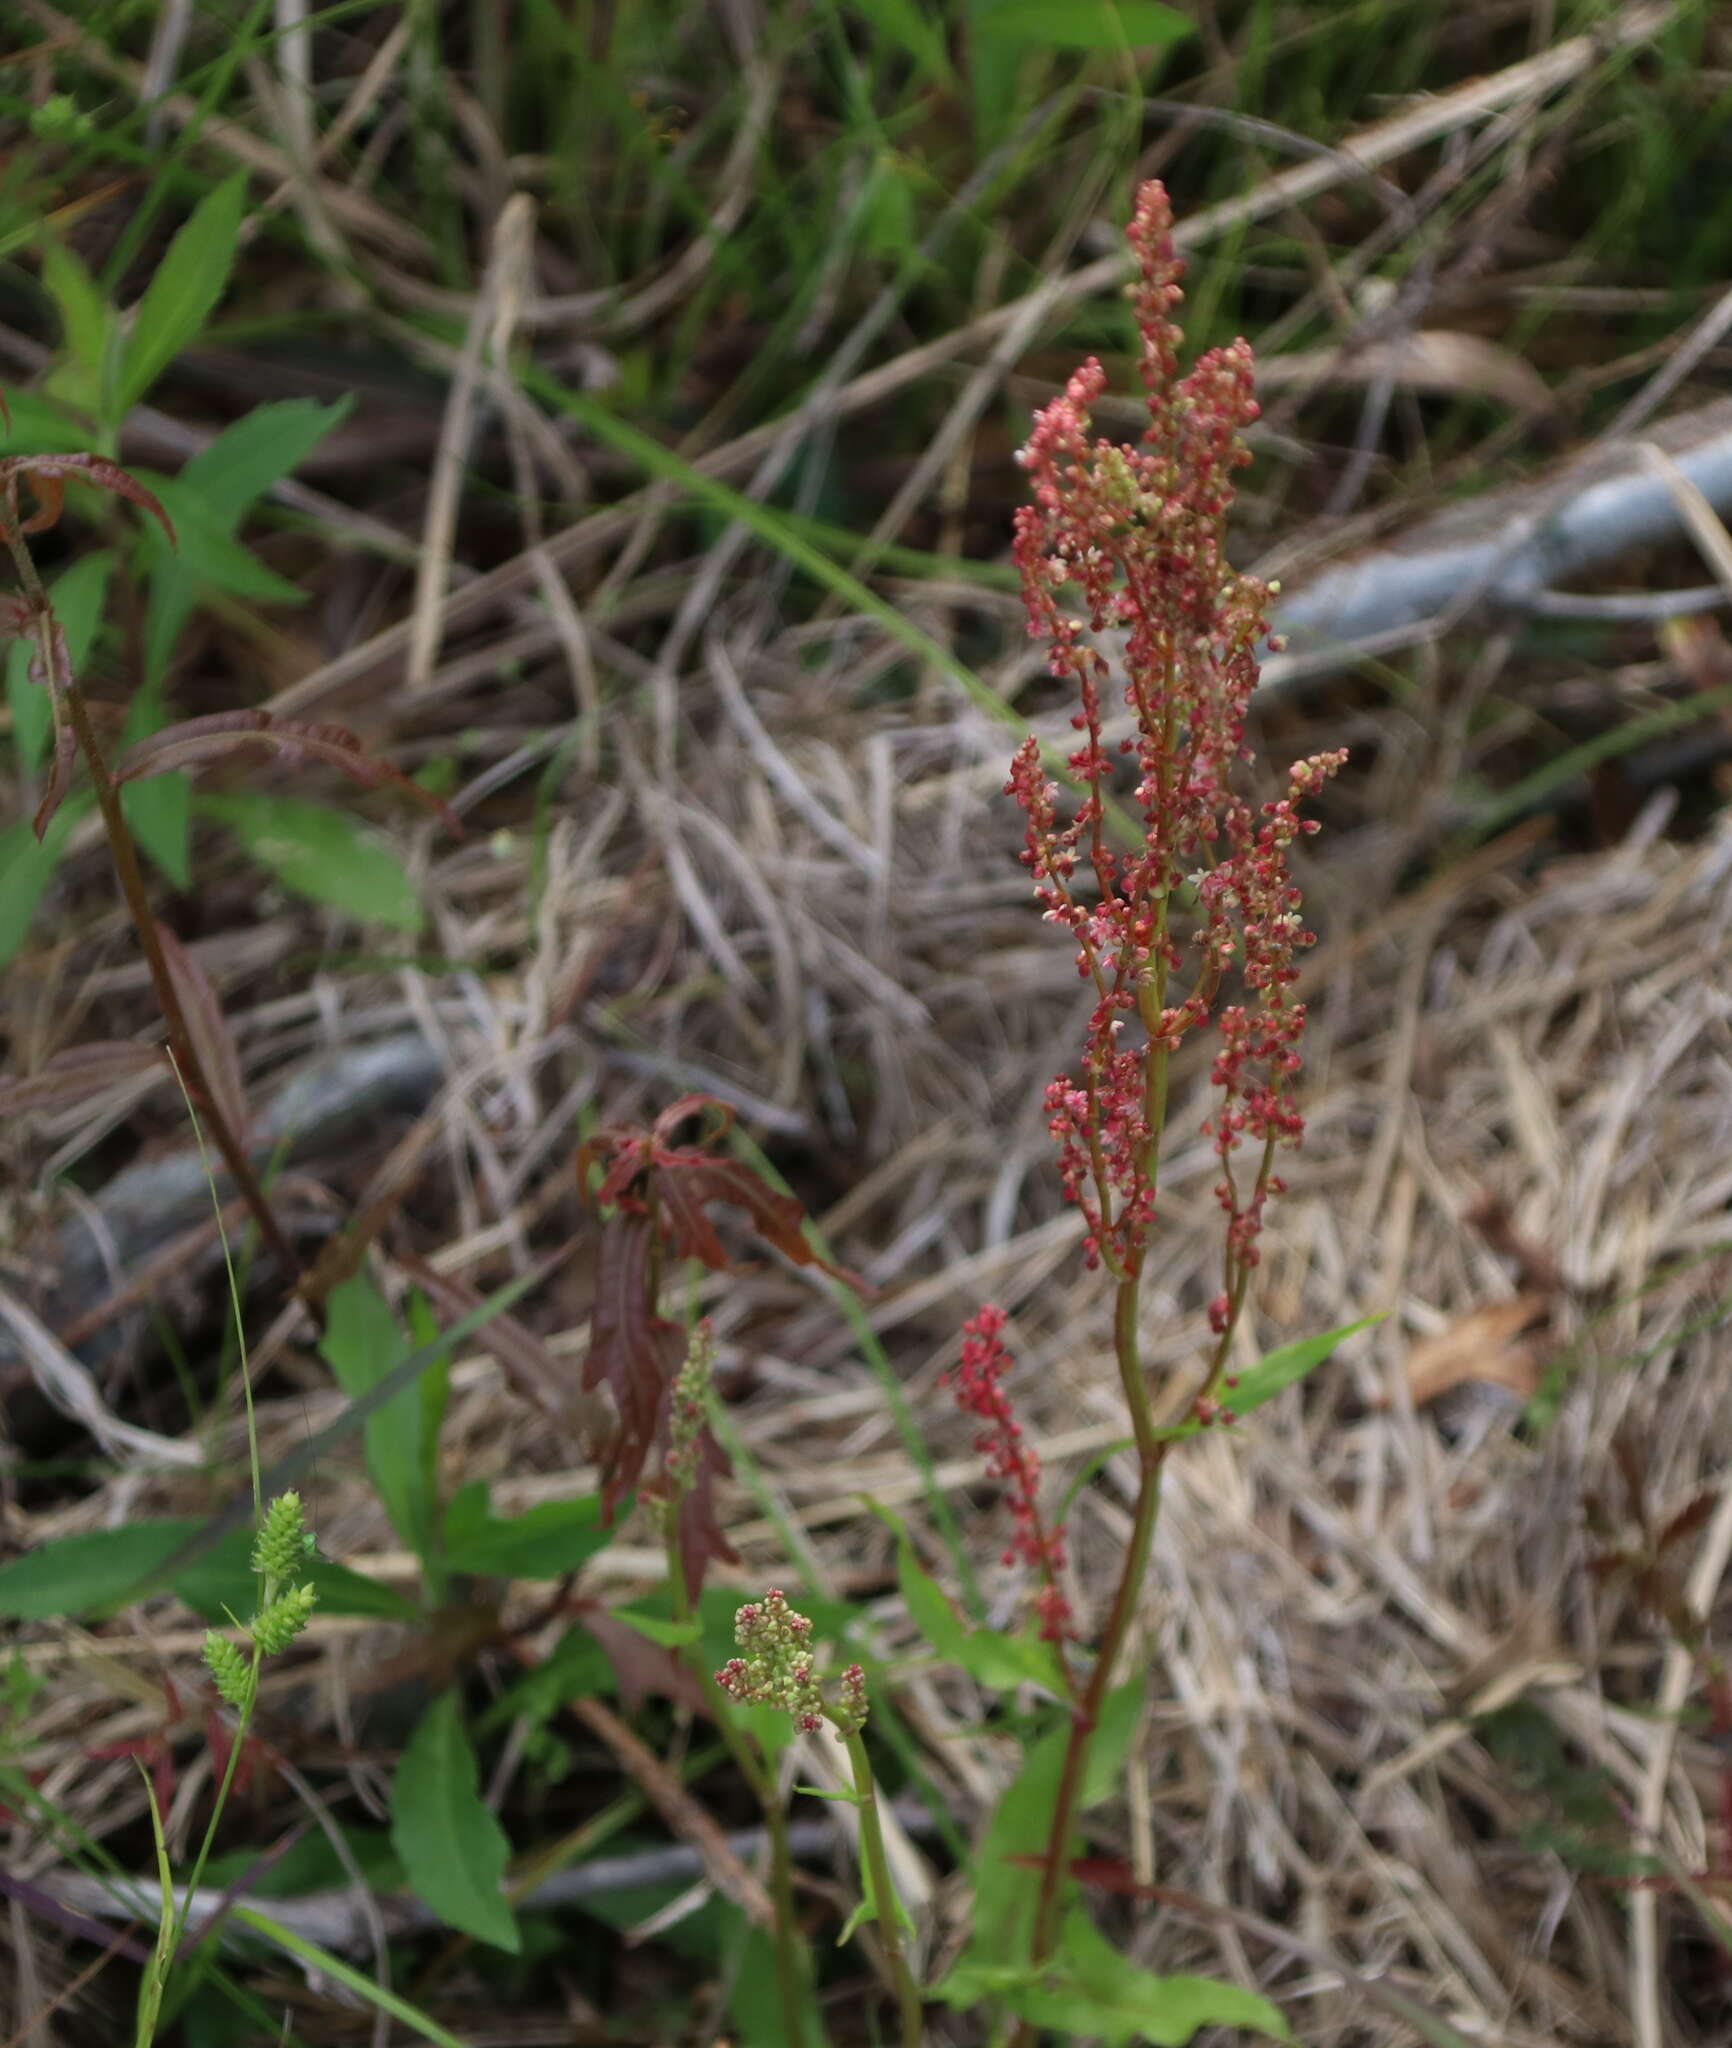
pixel 790 1948
pixel 181 1043
pixel 1085 1718
pixel 877 1864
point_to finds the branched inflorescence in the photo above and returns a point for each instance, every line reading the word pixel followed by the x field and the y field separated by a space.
pixel 978 1383
pixel 776 1667
pixel 1131 538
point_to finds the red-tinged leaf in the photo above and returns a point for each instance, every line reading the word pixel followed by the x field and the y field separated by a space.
pixel 78 1073
pixel 677 1113
pixel 196 742
pixel 687 1182
pixel 632 1350
pixel 213 1043
pixel 51 667
pixel 1689 1518
pixel 60 765
pixel 50 497
pixel 700 1534
pixel 645 1670
pixel 682 1198
pixel 531 1370
pixel 17 618
pixel 45 472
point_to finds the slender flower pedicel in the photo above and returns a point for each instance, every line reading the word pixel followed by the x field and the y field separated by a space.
pixel 1130 539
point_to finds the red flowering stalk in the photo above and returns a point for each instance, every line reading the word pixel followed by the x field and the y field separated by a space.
pixel 1132 538
pixel 979 1386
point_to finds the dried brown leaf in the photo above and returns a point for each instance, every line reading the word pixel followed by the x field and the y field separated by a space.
pixel 196 742
pixel 213 1043
pixel 1485 1345
pixel 79 1072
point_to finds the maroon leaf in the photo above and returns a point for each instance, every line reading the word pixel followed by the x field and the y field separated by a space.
pixel 51 667
pixel 50 497
pixel 632 1350
pixel 530 1369
pixel 46 471
pixel 78 1073
pixel 700 1534
pixel 686 1182
pixel 213 1043
pixel 688 1106
pixel 645 1670
pixel 197 741
pixel 1689 1518
pixel 682 1200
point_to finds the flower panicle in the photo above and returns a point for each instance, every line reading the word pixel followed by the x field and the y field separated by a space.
pixel 777 1667
pixel 978 1384
pixel 1131 538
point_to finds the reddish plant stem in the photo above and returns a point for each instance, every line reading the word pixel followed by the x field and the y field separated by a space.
pixel 181 1044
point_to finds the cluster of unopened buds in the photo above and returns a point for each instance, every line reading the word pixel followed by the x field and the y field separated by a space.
pixel 776 1668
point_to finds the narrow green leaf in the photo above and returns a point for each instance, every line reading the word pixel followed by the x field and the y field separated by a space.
pixel 88 328
pixel 671 1635
pixel 362 1344
pixel 546 1542
pixel 433 1394
pixel 1092 1990
pixel 1121 1717
pixel 1082 24
pixel 755 1999
pixel 576 1668
pixel 452 1847
pixel 1276 1371
pixel 206 550
pixel 221 1583
pixel 26 869
pixel 40 427
pixel 189 281
pixel 340 1972
pixel 928 1609
pixel 321 853
pixel 78 1574
pixel 999 1662
pixel 902 24
pixel 257 451
pixel 160 814
pixel 1006 1872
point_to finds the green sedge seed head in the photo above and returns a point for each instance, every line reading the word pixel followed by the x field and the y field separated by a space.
pixel 275 1627
pixel 228 1666
pixel 282 1540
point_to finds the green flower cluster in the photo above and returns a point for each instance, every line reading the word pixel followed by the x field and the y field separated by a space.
pixel 776 1668
pixel 283 1546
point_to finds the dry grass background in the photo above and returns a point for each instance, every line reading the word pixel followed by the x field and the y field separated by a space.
pixel 1395 1712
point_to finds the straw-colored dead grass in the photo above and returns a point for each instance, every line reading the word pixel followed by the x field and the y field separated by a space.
pixel 1361 1611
